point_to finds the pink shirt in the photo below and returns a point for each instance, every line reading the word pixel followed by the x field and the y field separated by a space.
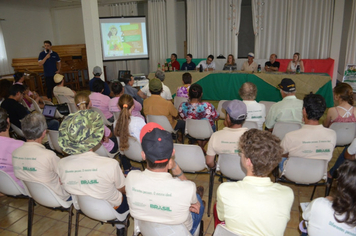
pixel 8 145
pixel 101 101
pixel 114 107
pixel 109 145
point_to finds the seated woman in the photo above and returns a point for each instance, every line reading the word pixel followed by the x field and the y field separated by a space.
pixel 109 141
pixel 183 90
pixel 292 66
pixel 101 101
pixel 127 126
pixel 118 90
pixel 230 63
pixel 344 111
pixel 335 215
pixel 198 110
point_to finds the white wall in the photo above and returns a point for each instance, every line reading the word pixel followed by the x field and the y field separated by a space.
pixel 27 24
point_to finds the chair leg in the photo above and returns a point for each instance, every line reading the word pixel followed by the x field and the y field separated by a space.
pixel 30 216
pixel 201 230
pixel 313 193
pixel 70 220
pixel 77 222
pixel 211 186
pixel 143 166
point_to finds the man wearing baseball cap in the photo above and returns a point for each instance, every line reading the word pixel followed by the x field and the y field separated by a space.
pixel 145 92
pixel 155 195
pixel 97 73
pixel 60 89
pixel 287 110
pixel 226 140
pixel 249 65
pixel 84 172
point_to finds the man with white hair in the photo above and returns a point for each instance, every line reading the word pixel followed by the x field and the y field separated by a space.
pixel 287 110
pixel 166 92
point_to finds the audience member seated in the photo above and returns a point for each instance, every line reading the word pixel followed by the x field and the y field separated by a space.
pixel 32 161
pixel 292 66
pixel 8 145
pixel 101 101
pixel 97 73
pixel 84 172
pixel 230 63
pixel 344 112
pixel 166 92
pixel 287 110
pixel 198 110
pixel 118 90
pixel 109 141
pixel 174 63
pixel 60 89
pixel 158 106
pixel 208 64
pixel 183 90
pixel 255 111
pixel 188 65
pixel 312 140
pixel 335 215
pixel 127 126
pixel 17 112
pixel 249 65
pixel 129 81
pixel 347 154
pixel 272 64
pixel 256 205
pixel 170 204
pixel 4 89
pixel 227 139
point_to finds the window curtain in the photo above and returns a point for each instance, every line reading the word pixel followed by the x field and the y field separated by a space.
pixel 351 39
pixel 157 33
pixel 213 27
pixel 4 64
pixel 288 26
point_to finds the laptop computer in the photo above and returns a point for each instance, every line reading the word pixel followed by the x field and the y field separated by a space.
pixel 49 111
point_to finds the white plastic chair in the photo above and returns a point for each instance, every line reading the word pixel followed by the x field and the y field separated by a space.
pixel 250 124
pixel 102 151
pixel 17 131
pixel 162 121
pixel 178 101
pixel 36 106
pixel 305 171
pixel 9 187
pixel 221 230
pixel 198 129
pixel 23 103
pixel 267 105
pixel 280 129
pixel 156 229
pixel 116 115
pixel 98 209
pixel 52 136
pixel 64 99
pixel 345 132
pixel 134 151
pixel 44 196
pixel 106 122
pixel 230 166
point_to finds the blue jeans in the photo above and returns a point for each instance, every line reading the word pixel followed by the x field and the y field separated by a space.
pixel 124 206
pixel 282 163
pixel 339 161
pixel 197 217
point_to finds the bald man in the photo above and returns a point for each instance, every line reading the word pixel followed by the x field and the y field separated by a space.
pixel 272 64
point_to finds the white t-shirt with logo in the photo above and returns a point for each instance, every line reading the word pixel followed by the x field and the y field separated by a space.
pixel 256 112
pixel 93 175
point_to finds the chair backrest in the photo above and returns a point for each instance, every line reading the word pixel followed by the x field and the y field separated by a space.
pixel 36 106
pixel 64 99
pixel 134 150
pixel 106 122
pixel 98 209
pixel 162 121
pixel 267 105
pixel 221 230
pixel 23 103
pixel 250 124
pixel 345 132
pixel 44 195
pixel 53 140
pixel 116 115
pixel 190 158
pixel 199 129
pixel 156 229
pixel 281 128
pixel 230 166
pixel 305 170
pixel 102 151
pixel 17 130
pixel 221 113
pixel 178 101
pixel 8 186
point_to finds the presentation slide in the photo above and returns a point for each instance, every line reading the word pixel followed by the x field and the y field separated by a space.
pixel 123 38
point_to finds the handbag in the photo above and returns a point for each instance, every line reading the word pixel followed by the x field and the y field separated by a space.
pixel 63 109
